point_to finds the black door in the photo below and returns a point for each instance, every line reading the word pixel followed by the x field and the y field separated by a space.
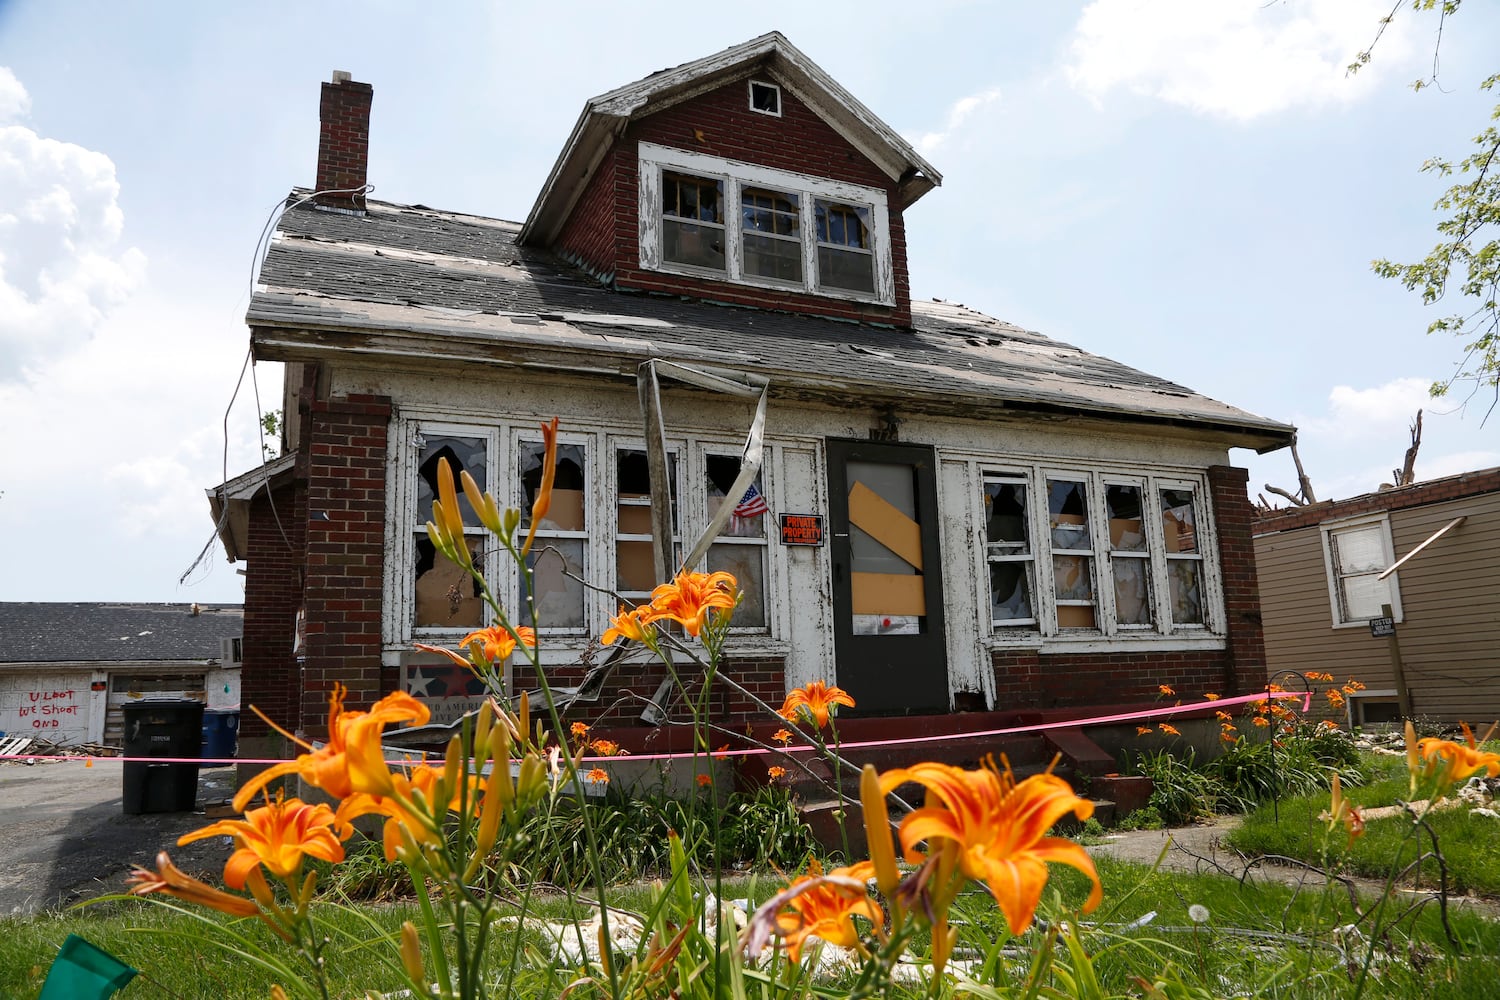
pixel 887 578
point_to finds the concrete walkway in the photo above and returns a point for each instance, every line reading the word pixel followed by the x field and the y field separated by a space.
pixel 1201 850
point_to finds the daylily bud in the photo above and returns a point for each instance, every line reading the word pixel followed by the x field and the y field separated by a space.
pixel 452 762
pixel 309 885
pixel 482 723
pixel 483 503
pixel 277 993
pixel 411 953
pixel 491 809
pixel 878 832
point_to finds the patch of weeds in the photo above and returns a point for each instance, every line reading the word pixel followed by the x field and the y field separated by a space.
pixel 1144 818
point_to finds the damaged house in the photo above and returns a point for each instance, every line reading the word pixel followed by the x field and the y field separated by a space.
pixel 937 510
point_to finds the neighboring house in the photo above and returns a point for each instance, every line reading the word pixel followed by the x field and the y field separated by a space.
pixel 66 669
pixel 1321 569
pixel 998 520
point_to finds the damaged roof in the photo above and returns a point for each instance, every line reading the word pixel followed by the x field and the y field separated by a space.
pixel 407 280
pixel 61 632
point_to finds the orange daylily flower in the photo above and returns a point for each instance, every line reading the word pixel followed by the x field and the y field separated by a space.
pixel 690 597
pixel 782 736
pixel 775 771
pixel 543 501
pixel 276 835
pixel 1454 762
pixel 598 776
pixel 605 748
pixel 173 881
pixel 818 699
pixel 1144 730
pixel 1169 729
pixel 1223 716
pixel 1166 690
pixel 825 910
pixel 704 780
pixel 1261 720
pixel 396 806
pixel 1210 697
pixel 352 759
pixel 1340 810
pixel 495 644
pixel 632 623
pixel 579 730
pixel 998 827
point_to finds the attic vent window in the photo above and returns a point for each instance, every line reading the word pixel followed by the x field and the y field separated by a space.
pixel 765 98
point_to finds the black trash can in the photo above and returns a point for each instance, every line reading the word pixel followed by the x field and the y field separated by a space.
pixel 167 728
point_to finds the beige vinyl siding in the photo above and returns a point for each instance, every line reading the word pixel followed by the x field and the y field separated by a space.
pixel 1450 596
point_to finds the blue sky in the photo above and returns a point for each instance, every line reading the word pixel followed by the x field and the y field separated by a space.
pixel 1195 189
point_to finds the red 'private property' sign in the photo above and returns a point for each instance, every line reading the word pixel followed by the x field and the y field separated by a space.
pixel 801 529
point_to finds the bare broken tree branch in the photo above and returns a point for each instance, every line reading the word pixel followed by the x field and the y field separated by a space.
pixel 1304 494
pixel 1408 472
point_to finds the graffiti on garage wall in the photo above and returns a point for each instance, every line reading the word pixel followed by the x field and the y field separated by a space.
pixel 53 708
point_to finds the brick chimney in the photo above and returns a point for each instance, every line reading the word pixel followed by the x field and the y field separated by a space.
pixel 344 141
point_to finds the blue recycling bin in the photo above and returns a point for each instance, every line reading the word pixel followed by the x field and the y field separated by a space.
pixel 220 731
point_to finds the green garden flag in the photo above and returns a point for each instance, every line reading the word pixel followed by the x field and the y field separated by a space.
pixel 83 972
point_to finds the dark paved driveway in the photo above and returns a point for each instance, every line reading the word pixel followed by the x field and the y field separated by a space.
pixel 64 836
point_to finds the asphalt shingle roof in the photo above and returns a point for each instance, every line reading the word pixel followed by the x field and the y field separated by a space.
pixel 34 632
pixel 412 269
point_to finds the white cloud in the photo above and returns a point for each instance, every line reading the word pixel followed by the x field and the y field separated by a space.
pixel 14 101
pixel 1237 59
pixel 1378 410
pixel 958 115
pixel 61 267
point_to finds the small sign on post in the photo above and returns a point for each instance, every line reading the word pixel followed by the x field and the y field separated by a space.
pixel 1382 628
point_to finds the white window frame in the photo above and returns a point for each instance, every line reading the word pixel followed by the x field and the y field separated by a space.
pixel 736 175
pixel 1328 530
pixel 750 86
pixel 520 435
pixel 700 508
pixel 675 449
pixel 992 555
pixel 1163 628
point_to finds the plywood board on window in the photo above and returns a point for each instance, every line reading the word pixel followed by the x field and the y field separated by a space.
pixel 1125 533
pixel 874 515
pixel 887 594
pixel 1075 616
pixel 445 597
pixel 565 512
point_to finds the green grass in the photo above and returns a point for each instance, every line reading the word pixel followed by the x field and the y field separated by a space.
pixel 1467 842
pixel 1260 936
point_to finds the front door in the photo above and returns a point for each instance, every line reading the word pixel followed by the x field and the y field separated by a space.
pixel 887 579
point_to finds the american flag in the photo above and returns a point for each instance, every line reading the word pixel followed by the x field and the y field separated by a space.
pixel 752 504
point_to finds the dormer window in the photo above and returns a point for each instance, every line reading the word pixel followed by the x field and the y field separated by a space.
pixel 794 231
pixel 772 234
pixel 844 257
pixel 692 226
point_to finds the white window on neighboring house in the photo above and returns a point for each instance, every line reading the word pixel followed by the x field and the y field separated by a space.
pixel 796 231
pixel 1012 563
pixel 1356 553
pixel 444 596
pixel 741 548
pixel 559 554
pixel 635 562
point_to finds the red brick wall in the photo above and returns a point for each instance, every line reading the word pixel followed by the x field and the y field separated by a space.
pixel 344 141
pixel 345 552
pixel 270 679
pixel 798 141
pixel 1233 519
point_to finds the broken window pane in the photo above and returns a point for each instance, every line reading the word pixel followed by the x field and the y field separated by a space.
pixel 1179 523
pixel 1010 591
pixel 1005 522
pixel 844 257
pixel 1068 506
pixel 566 512
pixel 700 242
pixel 1126 522
pixel 464 454
pixel 446 595
pixel 1187 591
pixel 747 564
pixel 748 520
pixel 633 479
pixel 1132 590
pixel 558 582
pixel 1074 577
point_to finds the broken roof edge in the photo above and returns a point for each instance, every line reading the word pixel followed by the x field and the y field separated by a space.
pixel 605 116
pixel 618 360
pixel 229 502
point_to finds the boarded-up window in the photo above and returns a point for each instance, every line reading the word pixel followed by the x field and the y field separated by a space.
pixel 557 556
